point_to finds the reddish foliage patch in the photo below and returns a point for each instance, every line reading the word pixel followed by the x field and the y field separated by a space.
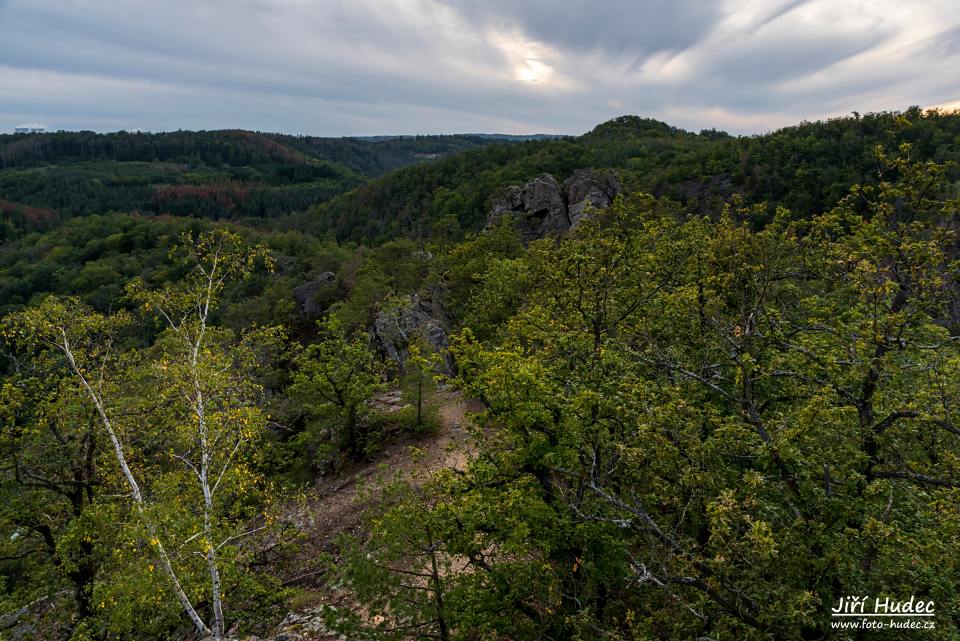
pixel 32 217
pixel 269 145
pixel 226 196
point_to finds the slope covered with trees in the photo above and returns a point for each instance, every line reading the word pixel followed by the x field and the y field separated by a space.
pixel 216 174
pixel 696 430
pixel 710 410
pixel 806 168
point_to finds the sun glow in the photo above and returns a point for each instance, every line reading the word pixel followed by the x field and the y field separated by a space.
pixel 526 61
pixel 947 106
pixel 533 70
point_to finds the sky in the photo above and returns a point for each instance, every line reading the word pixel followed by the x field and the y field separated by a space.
pixel 367 67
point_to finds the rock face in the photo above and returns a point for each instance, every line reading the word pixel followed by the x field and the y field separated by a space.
pixel 309 624
pixel 307 295
pixel 543 207
pixel 588 188
pixel 303 625
pixel 48 617
pixel 395 327
pixel 389 402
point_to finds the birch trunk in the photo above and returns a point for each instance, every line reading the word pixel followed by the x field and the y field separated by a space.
pixel 134 488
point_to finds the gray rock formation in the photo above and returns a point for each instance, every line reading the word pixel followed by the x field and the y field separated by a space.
pixel 308 624
pixel 395 326
pixel 588 188
pixel 543 207
pixel 309 303
pixel 48 617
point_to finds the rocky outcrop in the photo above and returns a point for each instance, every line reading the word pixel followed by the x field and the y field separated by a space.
pixel 49 617
pixel 309 296
pixel 543 207
pixel 397 325
pixel 303 625
pixel 588 189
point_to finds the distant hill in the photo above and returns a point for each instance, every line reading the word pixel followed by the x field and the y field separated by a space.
pixel 380 187
pixel 213 174
pixel 498 137
pixel 805 168
pixel 373 156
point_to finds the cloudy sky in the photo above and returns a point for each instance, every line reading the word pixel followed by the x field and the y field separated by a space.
pixel 356 67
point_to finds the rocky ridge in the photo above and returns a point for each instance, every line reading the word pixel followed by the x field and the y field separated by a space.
pixel 398 324
pixel 543 207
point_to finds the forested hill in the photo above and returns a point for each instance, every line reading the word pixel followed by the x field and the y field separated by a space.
pixel 235 147
pixel 287 184
pixel 374 189
pixel 805 168
pixel 376 155
pixel 213 174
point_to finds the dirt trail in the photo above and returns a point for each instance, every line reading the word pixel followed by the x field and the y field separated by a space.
pixel 332 506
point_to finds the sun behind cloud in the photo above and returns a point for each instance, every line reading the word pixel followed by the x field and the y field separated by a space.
pixel 528 61
pixel 534 71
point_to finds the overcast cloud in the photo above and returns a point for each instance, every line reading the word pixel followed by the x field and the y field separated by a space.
pixel 359 67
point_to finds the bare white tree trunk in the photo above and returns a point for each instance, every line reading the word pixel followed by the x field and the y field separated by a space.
pixel 211 552
pixel 138 501
pixel 203 310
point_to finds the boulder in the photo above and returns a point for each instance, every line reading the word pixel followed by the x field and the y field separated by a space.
pixel 48 617
pixel 508 202
pixel 588 189
pixel 306 624
pixel 539 208
pixel 545 207
pixel 396 325
pixel 309 303
pixel 388 402
pixel 542 207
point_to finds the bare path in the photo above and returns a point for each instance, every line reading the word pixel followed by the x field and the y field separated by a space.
pixel 332 506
